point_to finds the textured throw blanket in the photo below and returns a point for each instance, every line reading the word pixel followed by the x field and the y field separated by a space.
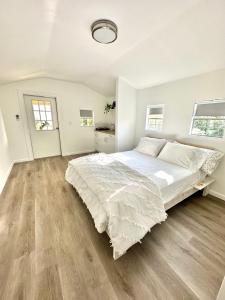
pixel 121 201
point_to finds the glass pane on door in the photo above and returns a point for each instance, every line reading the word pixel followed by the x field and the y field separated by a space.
pixel 42 111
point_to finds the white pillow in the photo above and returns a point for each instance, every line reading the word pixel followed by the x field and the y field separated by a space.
pixel 150 146
pixel 185 156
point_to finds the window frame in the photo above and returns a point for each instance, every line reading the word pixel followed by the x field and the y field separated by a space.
pixel 93 118
pixel 193 119
pixel 39 111
pixel 146 118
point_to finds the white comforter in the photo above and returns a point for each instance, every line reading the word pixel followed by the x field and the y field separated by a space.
pixel 127 204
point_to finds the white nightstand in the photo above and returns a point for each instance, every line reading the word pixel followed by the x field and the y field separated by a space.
pixel 204 185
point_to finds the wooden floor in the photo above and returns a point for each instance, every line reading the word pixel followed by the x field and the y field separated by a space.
pixel 49 248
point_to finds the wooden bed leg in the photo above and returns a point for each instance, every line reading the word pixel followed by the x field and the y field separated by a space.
pixel 204 185
pixel 205 191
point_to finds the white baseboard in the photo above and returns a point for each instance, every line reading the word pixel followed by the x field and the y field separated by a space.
pixel 217 195
pixel 22 160
pixel 6 177
pixel 2 184
pixel 78 152
pixel 221 294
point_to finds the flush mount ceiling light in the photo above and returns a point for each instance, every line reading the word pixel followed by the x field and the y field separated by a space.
pixel 104 31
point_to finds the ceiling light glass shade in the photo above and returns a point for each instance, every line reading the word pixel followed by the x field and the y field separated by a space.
pixel 104 31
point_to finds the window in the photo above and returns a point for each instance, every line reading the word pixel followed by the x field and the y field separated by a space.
pixel 209 119
pixel 86 118
pixel 42 115
pixel 154 117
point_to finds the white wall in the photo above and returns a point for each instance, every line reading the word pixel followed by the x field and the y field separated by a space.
pixel 5 158
pixel 125 115
pixel 70 98
pixel 179 98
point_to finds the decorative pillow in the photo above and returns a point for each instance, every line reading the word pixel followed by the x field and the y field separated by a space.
pixel 212 161
pixel 150 146
pixel 185 156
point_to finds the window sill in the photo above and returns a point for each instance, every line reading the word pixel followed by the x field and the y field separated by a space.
pixel 155 130
pixel 211 138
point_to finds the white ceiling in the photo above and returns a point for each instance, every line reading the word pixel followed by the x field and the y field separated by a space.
pixel 158 41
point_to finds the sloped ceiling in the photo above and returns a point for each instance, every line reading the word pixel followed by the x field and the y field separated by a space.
pixel 158 41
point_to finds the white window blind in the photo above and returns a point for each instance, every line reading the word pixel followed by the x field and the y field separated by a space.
pixel 154 117
pixel 209 119
pixel 214 109
pixel 155 110
pixel 84 113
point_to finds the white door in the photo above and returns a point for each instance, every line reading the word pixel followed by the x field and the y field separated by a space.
pixel 43 124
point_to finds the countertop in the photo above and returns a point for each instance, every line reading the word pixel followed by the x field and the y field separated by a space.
pixel 111 132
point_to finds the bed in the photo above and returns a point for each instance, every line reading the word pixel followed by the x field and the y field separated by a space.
pixel 170 178
pixel 127 193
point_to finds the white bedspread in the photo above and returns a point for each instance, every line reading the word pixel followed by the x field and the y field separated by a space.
pixel 170 178
pixel 127 204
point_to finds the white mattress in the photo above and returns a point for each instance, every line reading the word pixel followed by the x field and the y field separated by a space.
pixel 170 179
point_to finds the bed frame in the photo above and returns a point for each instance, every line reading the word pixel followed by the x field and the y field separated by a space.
pixel 200 186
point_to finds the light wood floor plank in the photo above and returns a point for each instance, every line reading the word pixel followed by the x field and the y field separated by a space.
pixel 50 249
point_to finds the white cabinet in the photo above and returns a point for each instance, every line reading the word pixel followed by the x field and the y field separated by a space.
pixel 104 142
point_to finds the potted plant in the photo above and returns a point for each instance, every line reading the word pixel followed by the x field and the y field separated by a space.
pixel 109 107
